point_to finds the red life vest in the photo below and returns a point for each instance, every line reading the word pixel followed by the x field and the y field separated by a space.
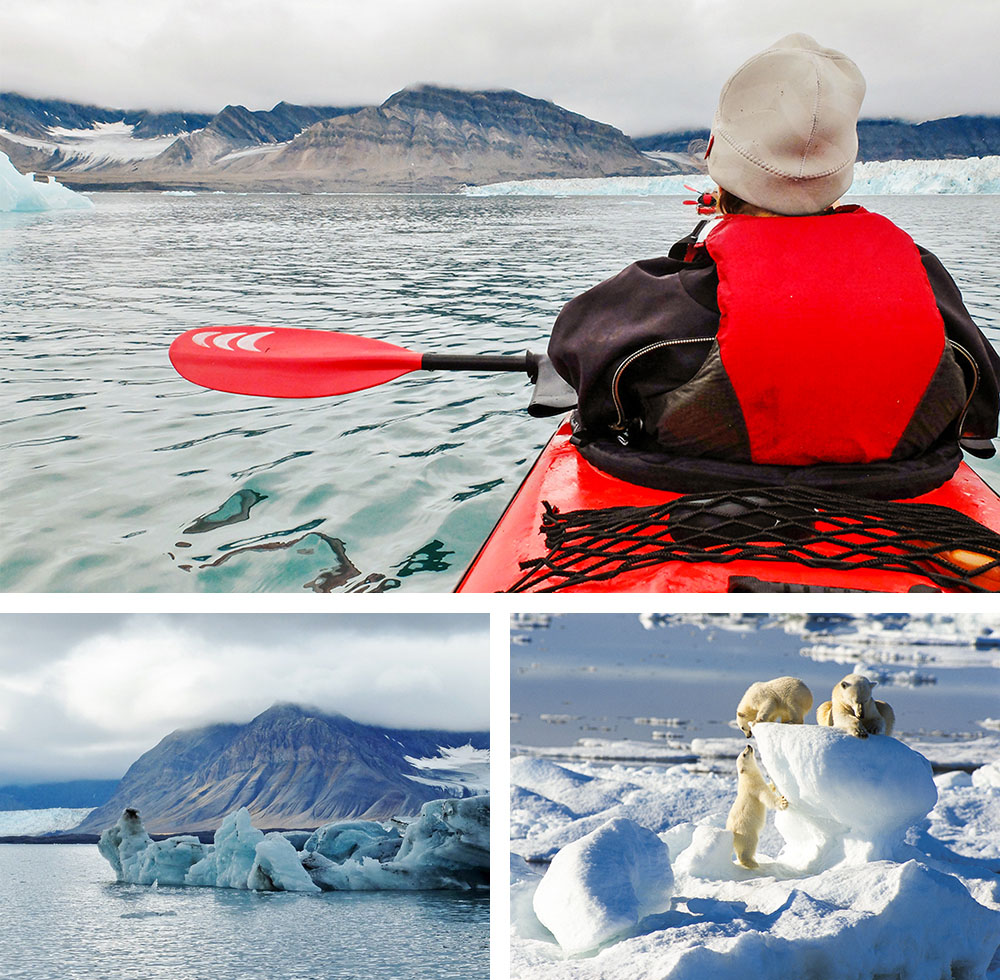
pixel 829 333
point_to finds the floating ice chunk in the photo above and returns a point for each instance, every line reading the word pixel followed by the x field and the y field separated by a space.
pixel 449 835
pixel 123 845
pixel 354 839
pixel 229 862
pixel 601 885
pixel 21 192
pixel 167 862
pixel 849 798
pixel 277 868
pixel 447 846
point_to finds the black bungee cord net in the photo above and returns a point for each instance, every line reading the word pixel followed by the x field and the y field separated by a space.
pixel 781 524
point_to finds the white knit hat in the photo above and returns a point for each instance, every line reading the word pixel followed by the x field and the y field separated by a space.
pixel 785 133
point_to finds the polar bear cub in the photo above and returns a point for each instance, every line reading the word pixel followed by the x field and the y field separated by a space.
pixel 853 709
pixel 784 699
pixel 749 811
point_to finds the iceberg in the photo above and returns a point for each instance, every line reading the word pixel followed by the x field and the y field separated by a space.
pixel 21 192
pixel 974 175
pixel 446 846
pixel 876 869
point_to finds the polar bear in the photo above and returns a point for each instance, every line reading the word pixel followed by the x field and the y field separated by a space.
pixel 784 699
pixel 853 709
pixel 749 811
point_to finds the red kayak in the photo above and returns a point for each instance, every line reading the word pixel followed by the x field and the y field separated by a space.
pixel 848 552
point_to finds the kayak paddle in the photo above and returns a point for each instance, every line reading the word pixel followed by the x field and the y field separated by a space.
pixel 288 362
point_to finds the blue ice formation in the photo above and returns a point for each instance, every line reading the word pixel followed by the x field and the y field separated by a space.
pixel 446 846
pixel 21 192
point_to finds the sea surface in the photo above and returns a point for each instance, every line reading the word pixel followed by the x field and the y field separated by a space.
pixel 63 917
pixel 118 475
pixel 606 677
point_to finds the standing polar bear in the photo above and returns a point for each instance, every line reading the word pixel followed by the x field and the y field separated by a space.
pixel 749 811
pixel 784 699
pixel 853 709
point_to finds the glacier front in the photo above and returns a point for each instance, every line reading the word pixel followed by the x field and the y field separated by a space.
pixel 446 846
pixel 974 175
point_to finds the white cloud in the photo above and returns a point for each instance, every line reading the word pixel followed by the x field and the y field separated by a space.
pixel 644 65
pixel 94 698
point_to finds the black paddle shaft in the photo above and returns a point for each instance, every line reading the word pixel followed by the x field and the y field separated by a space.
pixel 480 362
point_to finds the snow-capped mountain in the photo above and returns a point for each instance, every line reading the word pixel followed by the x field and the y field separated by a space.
pixel 294 767
pixel 424 138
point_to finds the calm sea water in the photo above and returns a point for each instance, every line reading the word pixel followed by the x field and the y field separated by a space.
pixel 62 917
pixel 117 475
pixel 594 675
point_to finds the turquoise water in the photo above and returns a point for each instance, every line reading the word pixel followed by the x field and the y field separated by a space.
pixel 63 917
pixel 120 476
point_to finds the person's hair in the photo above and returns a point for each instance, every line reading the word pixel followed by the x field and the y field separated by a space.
pixel 729 203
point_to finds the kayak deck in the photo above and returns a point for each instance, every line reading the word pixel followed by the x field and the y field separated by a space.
pixel 564 479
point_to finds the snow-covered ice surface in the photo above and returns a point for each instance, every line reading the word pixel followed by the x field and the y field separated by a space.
pixel 446 846
pixel 21 192
pixel 874 879
pixel 32 823
pixel 975 175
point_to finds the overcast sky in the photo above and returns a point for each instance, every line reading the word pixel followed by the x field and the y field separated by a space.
pixel 82 696
pixel 641 65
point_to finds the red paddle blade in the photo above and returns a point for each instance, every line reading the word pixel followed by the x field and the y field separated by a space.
pixel 286 362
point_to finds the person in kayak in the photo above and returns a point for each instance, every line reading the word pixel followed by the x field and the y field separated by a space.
pixel 787 340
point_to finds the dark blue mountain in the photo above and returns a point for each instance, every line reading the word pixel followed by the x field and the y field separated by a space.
pixel 42 796
pixel 956 137
pixel 291 766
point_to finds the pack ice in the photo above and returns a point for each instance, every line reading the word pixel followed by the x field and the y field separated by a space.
pixel 21 192
pixel 866 874
pixel 446 846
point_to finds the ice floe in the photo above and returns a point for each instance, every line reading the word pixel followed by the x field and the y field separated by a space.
pixel 21 192
pixel 446 846
pixel 877 868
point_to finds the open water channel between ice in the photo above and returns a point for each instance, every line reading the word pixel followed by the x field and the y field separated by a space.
pixel 118 475
pixel 63 917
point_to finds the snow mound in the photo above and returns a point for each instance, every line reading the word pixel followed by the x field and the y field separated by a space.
pixel 602 885
pixel 447 846
pixel 21 192
pixel 583 794
pixel 848 798
pixel 988 775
